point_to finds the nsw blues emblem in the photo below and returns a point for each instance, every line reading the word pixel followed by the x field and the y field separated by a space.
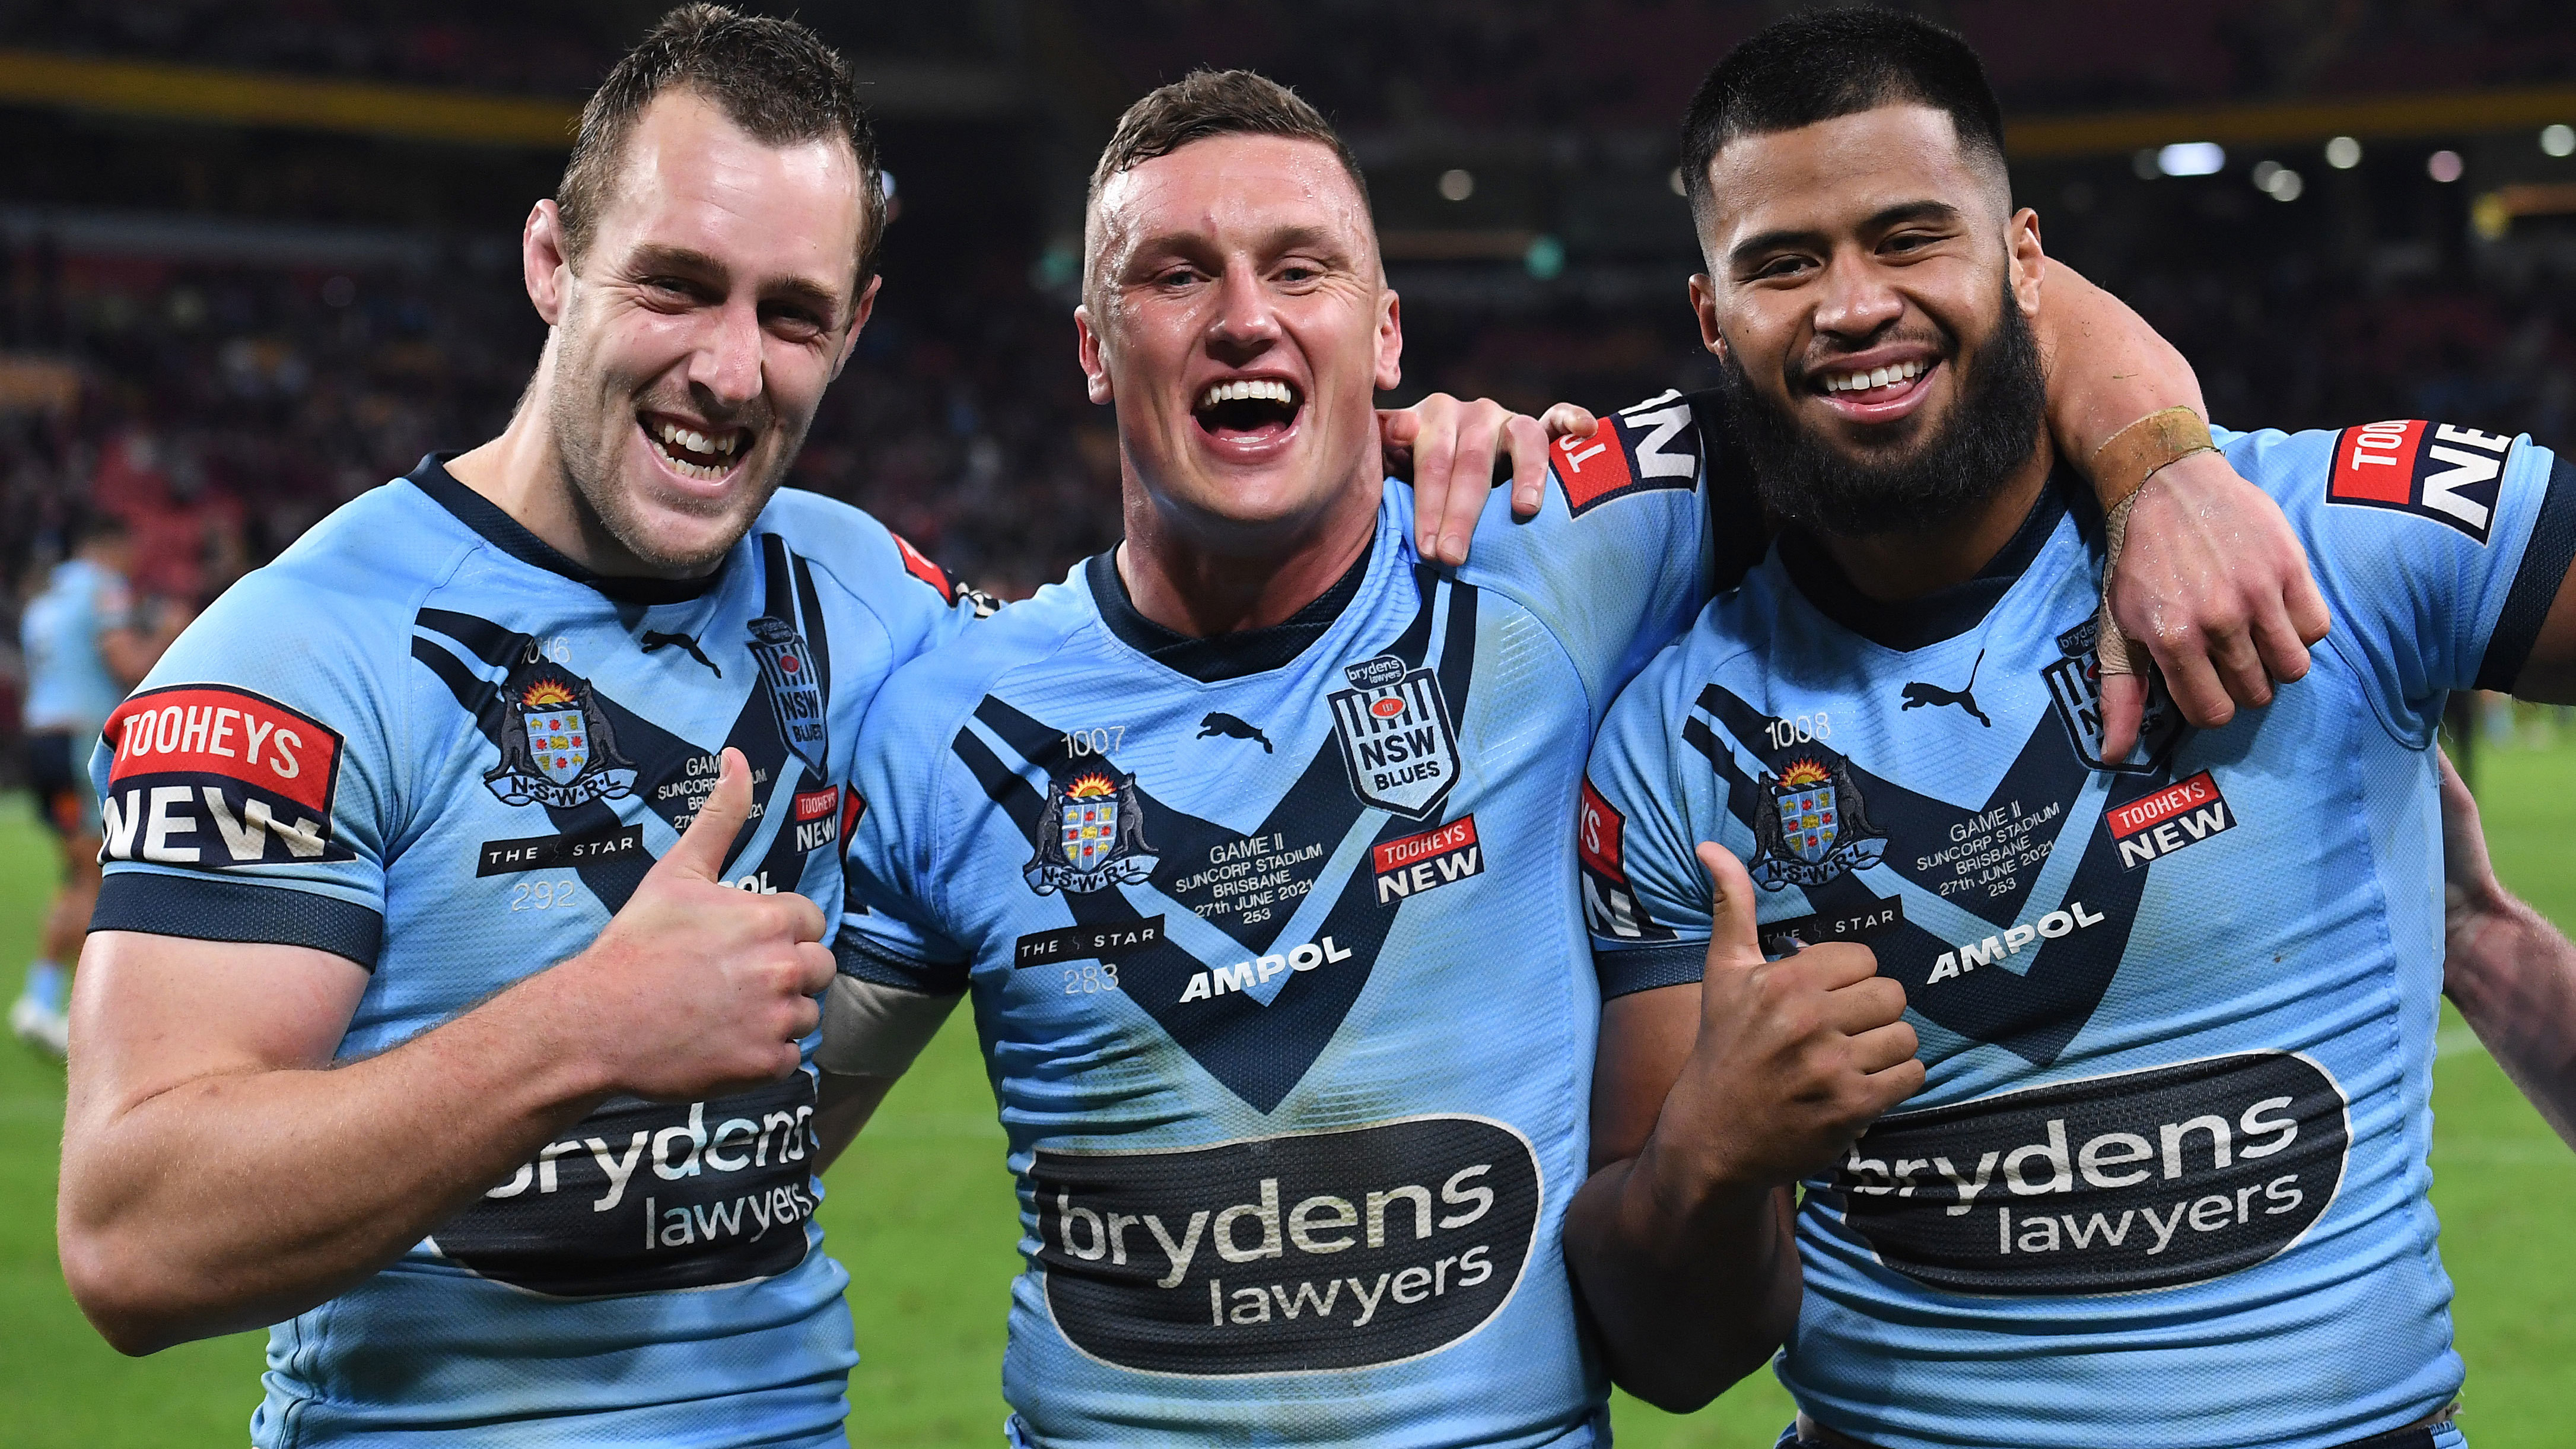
pixel 795 693
pixel 1091 835
pixel 1811 827
pixel 1396 738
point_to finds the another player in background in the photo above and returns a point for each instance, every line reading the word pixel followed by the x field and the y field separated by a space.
pixel 449 990
pixel 2161 1021
pixel 84 650
pixel 1246 837
pixel 2511 972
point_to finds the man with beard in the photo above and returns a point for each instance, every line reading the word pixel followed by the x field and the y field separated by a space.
pixel 2161 1020
pixel 1248 838
pixel 450 989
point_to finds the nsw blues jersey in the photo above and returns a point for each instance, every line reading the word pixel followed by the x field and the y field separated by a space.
pixel 69 686
pixel 1273 950
pixel 425 741
pixel 2165 1185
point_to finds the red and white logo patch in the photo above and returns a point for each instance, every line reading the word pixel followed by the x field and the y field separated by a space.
pixel 2184 813
pixel 1597 835
pixel 2448 474
pixel 1434 858
pixel 1649 446
pixel 210 775
pixel 918 564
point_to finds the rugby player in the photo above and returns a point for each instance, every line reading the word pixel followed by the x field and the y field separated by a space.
pixel 418 1019
pixel 2511 972
pixel 2159 1022
pixel 84 649
pixel 1247 838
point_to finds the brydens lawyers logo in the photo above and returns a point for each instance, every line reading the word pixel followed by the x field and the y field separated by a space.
pixel 209 775
pixel 2433 470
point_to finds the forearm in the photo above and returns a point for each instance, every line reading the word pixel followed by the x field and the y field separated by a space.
pixel 240 1198
pixel 2106 367
pixel 2513 976
pixel 1693 1286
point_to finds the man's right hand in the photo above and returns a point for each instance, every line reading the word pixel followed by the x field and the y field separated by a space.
pixel 1796 1057
pixel 698 988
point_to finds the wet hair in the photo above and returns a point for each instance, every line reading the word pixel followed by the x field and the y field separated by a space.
pixel 774 78
pixel 1206 104
pixel 1828 63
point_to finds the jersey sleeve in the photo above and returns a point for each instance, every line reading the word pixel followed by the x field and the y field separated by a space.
pixel 1624 548
pixel 889 930
pixel 2439 550
pixel 1644 810
pixel 249 787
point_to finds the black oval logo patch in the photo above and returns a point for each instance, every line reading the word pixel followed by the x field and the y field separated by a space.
pixel 2111 1185
pixel 1324 1250
pixel 643 1197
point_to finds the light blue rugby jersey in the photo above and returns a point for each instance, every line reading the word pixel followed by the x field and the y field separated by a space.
pixel 425 741
pixel 1275 958
pixel 69 686
pixel 2165 1186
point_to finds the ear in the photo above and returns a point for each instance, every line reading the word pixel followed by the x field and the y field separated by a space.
pixel 1703 298
pixel 858 320
pixel 1093 353
pixel 1390 339
pixel 2025 263
pixel 542 263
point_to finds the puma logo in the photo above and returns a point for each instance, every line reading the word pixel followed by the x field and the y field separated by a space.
pixel 654 640
pixel 1218 723
pixel 1919 695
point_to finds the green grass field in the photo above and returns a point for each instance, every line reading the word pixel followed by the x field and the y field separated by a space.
pixel 922 1213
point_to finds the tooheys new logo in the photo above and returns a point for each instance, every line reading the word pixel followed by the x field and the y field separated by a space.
pixel 1315 1251
pixel 2109 1185
pixel 209 775
pixel 642 1196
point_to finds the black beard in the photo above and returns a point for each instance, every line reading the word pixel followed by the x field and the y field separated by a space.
pixel 1807 481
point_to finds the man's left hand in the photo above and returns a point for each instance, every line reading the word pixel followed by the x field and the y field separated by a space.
pixel 2215 585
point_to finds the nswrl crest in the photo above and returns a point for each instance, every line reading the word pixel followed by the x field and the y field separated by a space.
pixel 1810 827
pixel 1394 730
pixel 1091 835
pixel 2075 696
pixel 558 747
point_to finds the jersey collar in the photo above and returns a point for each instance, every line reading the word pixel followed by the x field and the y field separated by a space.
pixel 507 534
pixel 1910 624
pixel 1219 657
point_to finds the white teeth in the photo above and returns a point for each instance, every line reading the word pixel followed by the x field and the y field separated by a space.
pixel 1875 377
pixel 672 435
pixel 1265 389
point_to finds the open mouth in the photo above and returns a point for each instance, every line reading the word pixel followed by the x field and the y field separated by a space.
pixel 1248 409
pixel 1872 385
pixel 707 454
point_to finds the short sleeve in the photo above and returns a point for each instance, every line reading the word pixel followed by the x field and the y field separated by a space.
pixel 2439 549
pixel 889 932
pixel 1646 898
pixel 248 788
pixel 1622 552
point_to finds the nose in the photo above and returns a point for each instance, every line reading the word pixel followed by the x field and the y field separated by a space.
pixel 1856 301
pixel 727 363
pixel 1244 323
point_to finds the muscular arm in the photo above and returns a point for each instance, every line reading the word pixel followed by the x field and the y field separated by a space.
pixel 219 1173
pixel 2511 973
pixel 1709 1102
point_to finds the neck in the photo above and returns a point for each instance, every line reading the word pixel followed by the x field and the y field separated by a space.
pixel 522 473
pixel 1892 567
pixel 1200 585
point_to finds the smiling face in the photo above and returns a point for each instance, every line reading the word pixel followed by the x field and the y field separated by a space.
pixel 1861 270
pixel 694 340
pixel 1236 315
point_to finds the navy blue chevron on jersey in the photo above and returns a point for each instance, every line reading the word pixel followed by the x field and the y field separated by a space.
pixel 427 742
pixel 1275 957
pixel 2165 1185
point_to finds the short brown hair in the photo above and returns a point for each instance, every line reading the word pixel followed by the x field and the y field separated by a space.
pixel 774 78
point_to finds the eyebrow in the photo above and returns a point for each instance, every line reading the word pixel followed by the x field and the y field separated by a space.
pixel 657 257
pixel 1284 239
pixel 1883 219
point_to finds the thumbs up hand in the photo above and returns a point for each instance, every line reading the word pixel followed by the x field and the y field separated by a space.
pixel 697 989
pixel 1795 1057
